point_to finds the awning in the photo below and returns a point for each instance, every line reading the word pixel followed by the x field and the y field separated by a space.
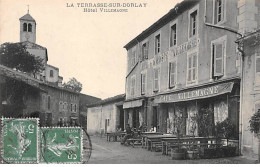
pixel 196 93
pixel 132 104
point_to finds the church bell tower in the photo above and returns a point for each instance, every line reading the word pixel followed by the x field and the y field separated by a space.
pixel 27 28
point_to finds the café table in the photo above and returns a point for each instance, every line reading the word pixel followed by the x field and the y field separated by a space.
pixel 115 135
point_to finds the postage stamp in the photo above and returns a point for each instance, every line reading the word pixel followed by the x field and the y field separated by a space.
pixel 20 140
pixel 61 145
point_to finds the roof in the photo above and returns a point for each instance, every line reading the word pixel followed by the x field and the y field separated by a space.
pixel 20 76
pixel 31 45
pixel 87 99
pixel 171 15
pixel 116 98
pixel 27 17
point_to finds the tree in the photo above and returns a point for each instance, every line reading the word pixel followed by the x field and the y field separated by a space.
pixel 73 84
pixel 15 55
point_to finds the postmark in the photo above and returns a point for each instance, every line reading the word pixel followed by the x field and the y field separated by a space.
pixel 20 140
pixel 61 145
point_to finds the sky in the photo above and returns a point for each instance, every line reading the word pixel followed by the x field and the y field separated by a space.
pixel 84 45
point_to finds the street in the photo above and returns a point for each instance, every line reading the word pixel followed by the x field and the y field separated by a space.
pixel 114 153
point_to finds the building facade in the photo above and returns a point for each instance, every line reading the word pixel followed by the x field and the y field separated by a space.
pixel 186 64
pixel 250 85
pixel 106 115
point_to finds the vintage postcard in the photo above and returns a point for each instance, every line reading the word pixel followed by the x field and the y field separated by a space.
pixel 130 81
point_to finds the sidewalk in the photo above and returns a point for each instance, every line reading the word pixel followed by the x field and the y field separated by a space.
pixel 114 153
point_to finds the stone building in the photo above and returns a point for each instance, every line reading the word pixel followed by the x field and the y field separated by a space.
pixel 106 115
pixel 250 89
pixel 186 64
pixel 44 95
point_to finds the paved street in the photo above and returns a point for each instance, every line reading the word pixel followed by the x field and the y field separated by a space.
pixel 114 152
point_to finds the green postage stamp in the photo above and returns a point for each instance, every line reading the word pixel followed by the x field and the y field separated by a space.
pixel 20 140
pixel 61 145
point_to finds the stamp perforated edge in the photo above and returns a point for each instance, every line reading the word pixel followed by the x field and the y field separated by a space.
pixel 37 138
pixel 81 142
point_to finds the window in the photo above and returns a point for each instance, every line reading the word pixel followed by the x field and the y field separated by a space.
pixel 172 74
pixel 145 50
pixel 218 52
pixel 49 102
pixel 75 108
pixel 51 73
pixel 173 35
pixel 192 68
pixel 156 79
pixel 193 23
pixel 65 106
pixel 132 90
pixel 60 106
pixel 29 27
pixel 71 107
pixel 219 11
pixel 24 27
pixel 133 57
pixel 157 44
pixel 143 84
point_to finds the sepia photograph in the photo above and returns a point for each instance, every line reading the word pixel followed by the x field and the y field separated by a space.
pixel 130 82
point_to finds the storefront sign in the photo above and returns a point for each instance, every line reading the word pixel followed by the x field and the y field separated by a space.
pixel 196 93
pixel 133 104
pixel 160 58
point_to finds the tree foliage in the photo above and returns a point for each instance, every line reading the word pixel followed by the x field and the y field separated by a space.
pixel 73 84
pixel 15 55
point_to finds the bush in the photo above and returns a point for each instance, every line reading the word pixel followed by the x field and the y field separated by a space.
pixel 255 123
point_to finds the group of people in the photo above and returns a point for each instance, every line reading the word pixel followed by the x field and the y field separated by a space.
pixel 131 132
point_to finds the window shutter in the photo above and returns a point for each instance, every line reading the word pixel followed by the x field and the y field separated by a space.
pixel 172 73
pixel 146 51
pixel 218 59
pixel 194 74
pixel 156 77
pixel 189 68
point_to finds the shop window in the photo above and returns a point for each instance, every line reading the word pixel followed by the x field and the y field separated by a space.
pixel 172 74
pixel 220 111
pixel 156 79
pixel 173 35
pixel 24 26
pixel 257 69
pixel 192 68
pixel 219 9
pixel 29 27
pixel 51 73
pixel 193 23
pixel 157 44
pixel 145 47
pixel 143 83
pixel 218 54
pixel 132 89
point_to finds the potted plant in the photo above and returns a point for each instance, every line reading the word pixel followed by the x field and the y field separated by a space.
pixel 193 152
pixel 254 123
pixel 178 153
pixel 226 130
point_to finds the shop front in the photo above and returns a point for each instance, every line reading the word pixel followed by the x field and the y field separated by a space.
pixel 201 107
pixel 134 113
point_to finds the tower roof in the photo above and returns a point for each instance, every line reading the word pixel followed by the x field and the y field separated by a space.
pixel 27 17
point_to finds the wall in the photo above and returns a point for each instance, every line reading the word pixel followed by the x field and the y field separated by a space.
pixel 205 36
pixel 96 117
pixel 55 77
pixel 251 96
